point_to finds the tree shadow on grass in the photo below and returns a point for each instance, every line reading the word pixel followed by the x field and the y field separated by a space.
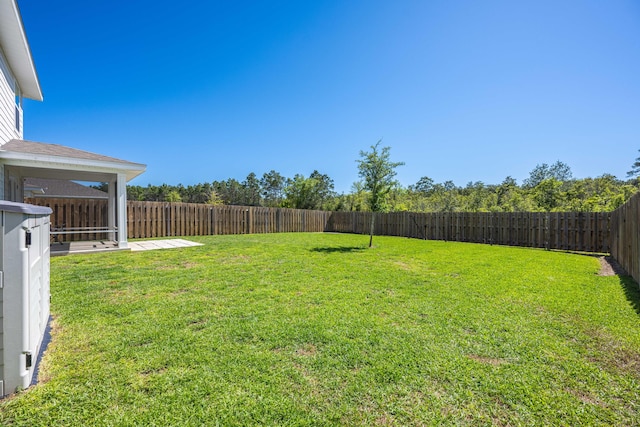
pixel 339 249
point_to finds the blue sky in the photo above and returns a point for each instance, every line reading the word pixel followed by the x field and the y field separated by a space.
pixel 460 90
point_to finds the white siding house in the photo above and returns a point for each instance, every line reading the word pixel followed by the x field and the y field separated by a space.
pixel 20 159
pixel 10 104
pixel 18 76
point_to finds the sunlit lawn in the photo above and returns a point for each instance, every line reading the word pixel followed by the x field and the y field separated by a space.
pixel 317 329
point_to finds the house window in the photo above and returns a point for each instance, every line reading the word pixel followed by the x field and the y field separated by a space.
pixel 17 118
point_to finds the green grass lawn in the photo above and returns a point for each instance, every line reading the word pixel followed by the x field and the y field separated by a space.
pixel 317 329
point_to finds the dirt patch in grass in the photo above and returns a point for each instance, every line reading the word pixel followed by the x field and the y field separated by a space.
pixel 198 324
pixel 170 267
pixel 487 360
pixel 118 296
pixel 188 264
pixel 628 361
pixel 621 359
pixel 403 266
pixel 386 420
pixel 235 260
pixel 584 397
pixel 610 267
pixel 307 350
pixel 609 353
pixel 154 371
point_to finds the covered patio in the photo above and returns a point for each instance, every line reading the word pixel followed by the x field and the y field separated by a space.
pixel 27 159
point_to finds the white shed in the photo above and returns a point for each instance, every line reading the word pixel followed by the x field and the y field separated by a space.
pixel 24 291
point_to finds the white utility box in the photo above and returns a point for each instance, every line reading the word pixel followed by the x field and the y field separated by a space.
pixel 24 291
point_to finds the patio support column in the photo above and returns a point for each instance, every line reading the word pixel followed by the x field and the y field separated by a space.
pixel 111 209
pixel 121 194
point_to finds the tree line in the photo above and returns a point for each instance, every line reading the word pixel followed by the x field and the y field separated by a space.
pixel 317 191
pixel 547 188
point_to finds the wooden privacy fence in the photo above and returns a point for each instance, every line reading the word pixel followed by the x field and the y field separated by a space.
pixel 573 231
pixel 75 214
pixel 160 219
pixel 625 240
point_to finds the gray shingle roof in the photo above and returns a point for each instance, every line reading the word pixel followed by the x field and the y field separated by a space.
pixel 64 188
pixel 30 147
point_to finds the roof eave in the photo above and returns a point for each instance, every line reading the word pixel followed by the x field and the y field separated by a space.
pixel 15 46
pixel 131 170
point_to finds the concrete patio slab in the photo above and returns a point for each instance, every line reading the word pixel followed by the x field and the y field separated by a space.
pixel 148 245
pixel 110 246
